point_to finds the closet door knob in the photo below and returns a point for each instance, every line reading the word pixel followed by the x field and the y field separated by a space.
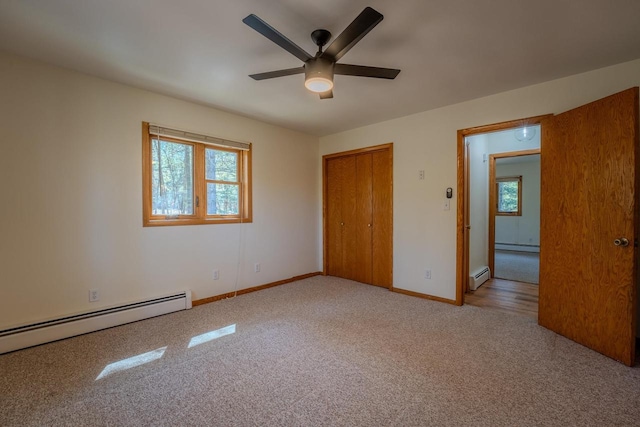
pixel 621 242
pixel 368 225
pixel 342 223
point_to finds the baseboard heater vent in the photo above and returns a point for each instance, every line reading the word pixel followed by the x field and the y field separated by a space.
pixel 479 277
pixel 64 327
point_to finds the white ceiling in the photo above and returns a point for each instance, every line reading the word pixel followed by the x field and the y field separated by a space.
pixel 448 50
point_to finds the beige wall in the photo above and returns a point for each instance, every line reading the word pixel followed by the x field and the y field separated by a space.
pixel 425 234
pixel 71 198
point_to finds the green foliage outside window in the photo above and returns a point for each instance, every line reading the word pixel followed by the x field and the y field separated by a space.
pixel 509 193
pixel 222 194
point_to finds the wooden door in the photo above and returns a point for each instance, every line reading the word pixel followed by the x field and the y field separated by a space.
pixel 358 217
pixel 382 221
pixel 589 202
pixel 364 218
pixel 340 216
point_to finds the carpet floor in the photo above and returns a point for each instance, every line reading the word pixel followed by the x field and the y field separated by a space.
pixel 321 351
pixel 517 266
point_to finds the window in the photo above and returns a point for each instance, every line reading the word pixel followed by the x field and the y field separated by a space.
pixel 194 179
pixel 509 191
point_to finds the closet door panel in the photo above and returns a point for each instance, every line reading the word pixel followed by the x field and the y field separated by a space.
pixel 363 223
pixel 334 173
pixel 382 211
pixel 349 244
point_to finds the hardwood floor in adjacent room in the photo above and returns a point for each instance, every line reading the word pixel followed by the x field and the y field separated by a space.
pixel 507 296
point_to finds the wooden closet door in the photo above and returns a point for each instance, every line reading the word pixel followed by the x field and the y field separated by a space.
pixel 382 227
pixel 358 216
pixel 349 219
pixel 364 218
pixel 340 178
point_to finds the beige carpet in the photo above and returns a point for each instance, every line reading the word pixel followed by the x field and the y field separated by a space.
pixel 322 351
pixel 518 266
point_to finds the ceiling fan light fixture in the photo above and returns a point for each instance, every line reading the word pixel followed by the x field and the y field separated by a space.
pixel 318 75
pixel 318 84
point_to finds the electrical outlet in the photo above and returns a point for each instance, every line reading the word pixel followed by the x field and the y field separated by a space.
pixel 216 274
pixel 427 274
pixel 256 268
pixel 420 174
pixel 94 295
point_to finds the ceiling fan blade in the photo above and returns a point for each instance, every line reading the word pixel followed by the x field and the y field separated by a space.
pixel 364 71
pixel 360 26
pixel 326 95
pixel 275 36
pixel 278 73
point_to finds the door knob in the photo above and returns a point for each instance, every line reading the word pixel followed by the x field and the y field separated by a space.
pixel 342 223
pixel 368 225
pixel 621 242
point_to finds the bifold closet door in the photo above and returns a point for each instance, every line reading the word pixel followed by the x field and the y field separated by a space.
pixel 382 221
pixel 341 214
pixel 358 217
pixel 364 218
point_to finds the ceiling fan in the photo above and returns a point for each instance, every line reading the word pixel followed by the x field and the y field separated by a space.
pixel 320 69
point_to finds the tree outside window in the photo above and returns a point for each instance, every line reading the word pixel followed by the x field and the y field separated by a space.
pixel 186 182
pixel 509 200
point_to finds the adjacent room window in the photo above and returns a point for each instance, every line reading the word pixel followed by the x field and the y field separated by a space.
pixel 194 179
pixel 509 191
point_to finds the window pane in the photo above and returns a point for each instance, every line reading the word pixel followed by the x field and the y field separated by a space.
pixel 222 199
pixel 171 178
pixel 508 196
pixel 221 165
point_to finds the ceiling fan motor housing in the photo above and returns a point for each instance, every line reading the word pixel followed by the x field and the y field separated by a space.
pixel 319 71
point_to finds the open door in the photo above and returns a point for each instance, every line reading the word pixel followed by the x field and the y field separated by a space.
pixel 589 220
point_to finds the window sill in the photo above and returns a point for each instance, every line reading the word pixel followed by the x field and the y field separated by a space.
pixel 190 221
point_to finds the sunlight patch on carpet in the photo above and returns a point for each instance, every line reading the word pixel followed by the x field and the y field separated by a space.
pixel 131 362
pixel 210 336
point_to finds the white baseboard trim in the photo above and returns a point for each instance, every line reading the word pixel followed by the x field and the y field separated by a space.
pixel 517 247
pixel 52 330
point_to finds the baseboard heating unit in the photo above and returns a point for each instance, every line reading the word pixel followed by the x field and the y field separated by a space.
pixel 25 336
pixel 479 277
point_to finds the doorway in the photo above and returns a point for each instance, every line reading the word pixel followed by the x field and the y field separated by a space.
pixel 514 214
pixel 464 219
pixel 500 164
pixel 589 223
